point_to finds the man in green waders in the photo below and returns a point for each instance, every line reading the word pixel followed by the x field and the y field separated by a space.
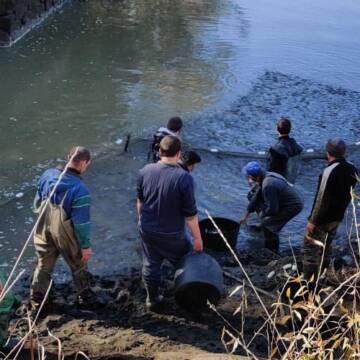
pixel 7 306
pixel 64 228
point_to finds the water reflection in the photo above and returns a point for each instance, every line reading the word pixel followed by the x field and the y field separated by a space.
pixel 103 68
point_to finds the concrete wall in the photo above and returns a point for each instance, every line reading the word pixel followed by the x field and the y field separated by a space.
pixel 17 17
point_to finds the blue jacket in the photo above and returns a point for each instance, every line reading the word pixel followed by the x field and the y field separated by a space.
pixel 76 203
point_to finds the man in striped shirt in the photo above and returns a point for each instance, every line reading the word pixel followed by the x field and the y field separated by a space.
pixel 63 227
pixel 332 198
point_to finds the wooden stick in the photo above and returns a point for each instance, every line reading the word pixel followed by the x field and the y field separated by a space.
pixel 261 291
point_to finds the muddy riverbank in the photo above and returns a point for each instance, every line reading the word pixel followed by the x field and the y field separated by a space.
pixel 122 329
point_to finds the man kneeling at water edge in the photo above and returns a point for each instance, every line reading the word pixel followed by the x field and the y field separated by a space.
pixel 165 202
pixel 276 202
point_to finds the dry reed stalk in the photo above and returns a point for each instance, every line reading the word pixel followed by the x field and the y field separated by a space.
pixel 82 354
pixel 5 292
pixel 246 276
pixel 22 341
pixel 60 356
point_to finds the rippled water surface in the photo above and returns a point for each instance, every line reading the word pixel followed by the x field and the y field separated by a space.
pixel 101 69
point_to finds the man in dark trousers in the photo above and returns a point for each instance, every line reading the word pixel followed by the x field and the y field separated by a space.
pixel 276 202
pixel 64 227
pixel 331 200
pixel 283 151
pixel 165 202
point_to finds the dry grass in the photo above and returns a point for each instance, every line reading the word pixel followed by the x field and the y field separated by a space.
pixel 310 320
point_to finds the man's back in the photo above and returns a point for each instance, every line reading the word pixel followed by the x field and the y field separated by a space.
pixel 279 196
pixel 333 193
pixel 155 145
pixel 167 194
pixel 280 153
pixel 70 186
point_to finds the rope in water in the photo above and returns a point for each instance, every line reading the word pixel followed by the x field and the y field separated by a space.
pixel 308 154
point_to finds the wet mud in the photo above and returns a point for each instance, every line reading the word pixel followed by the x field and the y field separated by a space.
pixel 122 328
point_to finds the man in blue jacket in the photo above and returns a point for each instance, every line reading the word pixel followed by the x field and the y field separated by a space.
pixel 276 202
pixel 64 227
pixel 165 203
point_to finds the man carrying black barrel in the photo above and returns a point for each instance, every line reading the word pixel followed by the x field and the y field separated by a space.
pixel 165 202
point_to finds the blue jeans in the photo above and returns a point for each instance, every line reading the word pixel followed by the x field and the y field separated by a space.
pixel 158 247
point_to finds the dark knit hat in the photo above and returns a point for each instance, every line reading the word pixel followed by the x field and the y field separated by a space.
pixel 336 147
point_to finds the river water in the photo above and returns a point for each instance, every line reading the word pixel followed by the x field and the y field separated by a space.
pixel 101 69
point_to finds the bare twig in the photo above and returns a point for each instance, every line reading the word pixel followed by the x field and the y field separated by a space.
pixel 261 291
pixel 247 277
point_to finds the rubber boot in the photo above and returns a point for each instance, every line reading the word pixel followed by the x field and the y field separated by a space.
pixel 88 300
pixel 154 300
pixel 271 240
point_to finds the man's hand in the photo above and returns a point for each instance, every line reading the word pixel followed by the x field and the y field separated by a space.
pixel 86 255
pixel 310 227
pixel 198 245
pixel 244 219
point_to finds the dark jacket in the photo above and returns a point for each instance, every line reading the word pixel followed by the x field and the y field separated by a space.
pixel 154 153
pixel 279 196
pixel 276 201
pixel 279 154
pixel 333 192
pixel 167 194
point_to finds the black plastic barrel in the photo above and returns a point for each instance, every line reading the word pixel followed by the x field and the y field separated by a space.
pixel 212 239
pixel 198 279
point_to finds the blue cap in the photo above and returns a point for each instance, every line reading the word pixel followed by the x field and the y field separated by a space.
pixel 252 168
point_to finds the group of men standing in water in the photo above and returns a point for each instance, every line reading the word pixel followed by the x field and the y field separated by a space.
pixel 167 211
pixel 276 201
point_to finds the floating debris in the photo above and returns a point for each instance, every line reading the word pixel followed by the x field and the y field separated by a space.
pixel 271 274
pixel 119 141
pixel 19 195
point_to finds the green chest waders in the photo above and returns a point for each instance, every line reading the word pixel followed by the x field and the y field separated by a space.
pixel 55 236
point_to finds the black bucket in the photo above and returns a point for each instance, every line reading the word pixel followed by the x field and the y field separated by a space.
pixel 198 279
pixel 212 239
